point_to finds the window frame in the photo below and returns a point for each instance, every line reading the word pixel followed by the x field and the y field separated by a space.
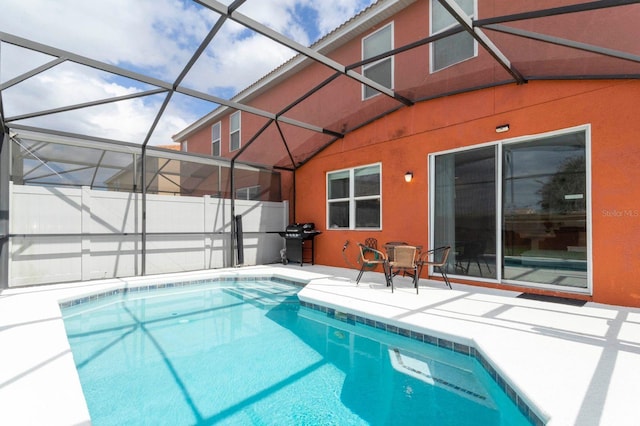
pixel 432 61
pixel 233 131
pixel 391 59
pixel 216 142
pixel 246 192
pixel 352 199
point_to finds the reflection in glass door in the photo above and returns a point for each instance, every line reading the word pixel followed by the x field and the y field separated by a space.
pixel 544 211
pixel 465 210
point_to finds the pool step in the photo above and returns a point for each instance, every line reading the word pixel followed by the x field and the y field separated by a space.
pixel 265 296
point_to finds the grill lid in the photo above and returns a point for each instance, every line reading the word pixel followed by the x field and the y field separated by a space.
pixel 294 228
pixel 300 227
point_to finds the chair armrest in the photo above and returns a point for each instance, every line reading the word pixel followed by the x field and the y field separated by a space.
pixel 364 249
pixel 424 256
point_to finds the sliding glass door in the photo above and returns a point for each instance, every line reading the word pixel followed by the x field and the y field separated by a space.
pixel 515 212
pixel 465 210
pixel 545 211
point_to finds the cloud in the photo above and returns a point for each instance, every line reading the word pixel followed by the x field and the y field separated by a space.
pixel 67 85
pixel 304 20
pixel 152 37
pixel 333 13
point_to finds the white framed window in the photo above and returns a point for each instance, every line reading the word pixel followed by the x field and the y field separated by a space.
pixel 380 71
pixel 234 131
pixel 456 48
pixel 354 198
pixel 215 139
pixel 248 193
pixel 185 146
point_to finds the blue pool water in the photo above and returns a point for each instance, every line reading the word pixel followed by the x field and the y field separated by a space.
pixel 248 353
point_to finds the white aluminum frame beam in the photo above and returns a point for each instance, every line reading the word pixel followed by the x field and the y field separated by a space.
pixel 86 104
pixel 31 73
pixel 563 42
pixel 82 60
pixel 102 66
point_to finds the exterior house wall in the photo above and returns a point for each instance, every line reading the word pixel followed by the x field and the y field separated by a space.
pixel 334 104
pixel 330 105
pixel 403 140
pixel 534 108
pixel 200 142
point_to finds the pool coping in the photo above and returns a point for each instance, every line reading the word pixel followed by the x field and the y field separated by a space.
pixel 41 386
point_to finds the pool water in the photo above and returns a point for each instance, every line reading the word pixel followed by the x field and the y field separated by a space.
pixel 248 353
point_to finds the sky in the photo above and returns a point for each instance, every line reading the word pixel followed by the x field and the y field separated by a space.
pixel 152 37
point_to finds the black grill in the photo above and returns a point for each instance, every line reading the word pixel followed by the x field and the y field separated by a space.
pixel 300 242
pixel 300 230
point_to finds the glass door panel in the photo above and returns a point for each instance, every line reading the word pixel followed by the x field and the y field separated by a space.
pixel 465 210
pixel 544 211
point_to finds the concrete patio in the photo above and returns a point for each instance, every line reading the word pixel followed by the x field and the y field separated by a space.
pixel 578 365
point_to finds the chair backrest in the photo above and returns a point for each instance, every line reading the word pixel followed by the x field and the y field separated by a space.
pixel 390 245
pixel 473 249
pixel 371 242
pixel 404 256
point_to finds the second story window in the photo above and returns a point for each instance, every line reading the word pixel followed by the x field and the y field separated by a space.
pixel 215 139
pixel 185 146
pixel 234 131
pixel 456 48
pixel 381 71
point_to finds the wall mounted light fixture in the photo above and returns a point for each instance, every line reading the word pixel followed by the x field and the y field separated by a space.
pixel 502 128
pixel 408 176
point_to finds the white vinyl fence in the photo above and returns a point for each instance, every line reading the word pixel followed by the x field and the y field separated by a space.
pixel 79 234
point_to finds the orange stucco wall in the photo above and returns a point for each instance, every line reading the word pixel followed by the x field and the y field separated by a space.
pixel 403 140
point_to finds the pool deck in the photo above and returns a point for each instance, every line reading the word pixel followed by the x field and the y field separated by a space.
pixel 579 365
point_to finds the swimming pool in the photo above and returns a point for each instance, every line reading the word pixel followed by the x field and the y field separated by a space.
pixel 248 353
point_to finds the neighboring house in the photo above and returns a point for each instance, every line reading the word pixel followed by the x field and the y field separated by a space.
pixel 164 175
pixel 533 185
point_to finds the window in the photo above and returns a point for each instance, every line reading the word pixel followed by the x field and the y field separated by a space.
pixel 381 71
pixel 516 211
pixel 215 139
pixel 248 193
pixel 185 146
pixel 234 131
pixel 354 198
pixel 456 48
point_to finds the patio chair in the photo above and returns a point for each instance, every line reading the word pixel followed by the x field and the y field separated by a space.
pixel 405 261
pixel 472 251
pixel 437 258
pixel 370 258
pixel 390 245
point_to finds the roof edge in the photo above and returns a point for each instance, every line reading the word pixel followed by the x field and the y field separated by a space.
pixel 358 24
